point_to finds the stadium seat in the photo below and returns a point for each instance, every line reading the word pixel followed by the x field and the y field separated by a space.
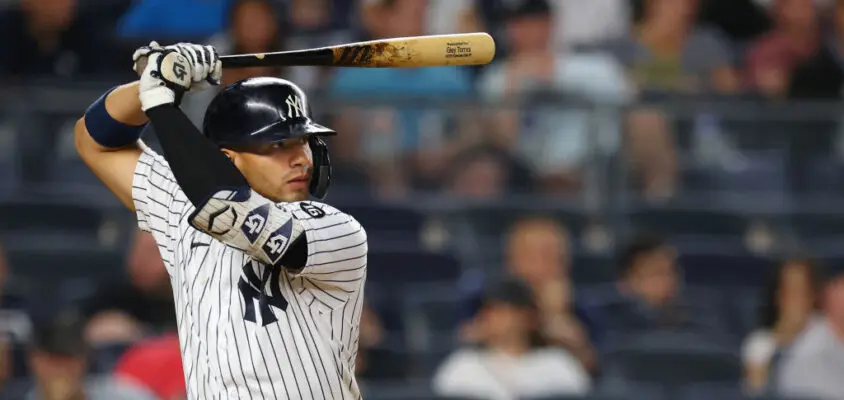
pixel 744 304
pixel 688 221
pixel 495 219
pixel 16 388
pixel 824 176
pixel 105 357
pixel 388 226
pixel 726 391
pixel 727 268
pixel 9 161
pixel 67 167
pixel 72 171
pixel 46 267
pixel 758 174
pixel 382 217
pixel 594 396
pixel 403 391
pixel 811 222
pixel 43 215
pixel 436 308
pixel 424 364
pixel 592 268
pixel 19 364
pixel 673 360
pixel 387 266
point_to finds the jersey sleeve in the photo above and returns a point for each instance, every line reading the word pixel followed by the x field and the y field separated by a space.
pixel 159 202
pixel 337 248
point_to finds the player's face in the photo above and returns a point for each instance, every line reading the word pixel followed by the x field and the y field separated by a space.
pixel 280 171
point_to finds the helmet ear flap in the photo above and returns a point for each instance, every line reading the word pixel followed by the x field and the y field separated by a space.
pixel 321 177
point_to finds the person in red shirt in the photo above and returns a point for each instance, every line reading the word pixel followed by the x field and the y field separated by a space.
pixel 155 363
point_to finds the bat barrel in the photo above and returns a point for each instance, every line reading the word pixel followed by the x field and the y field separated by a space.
pixel 418 51
pixel 409 52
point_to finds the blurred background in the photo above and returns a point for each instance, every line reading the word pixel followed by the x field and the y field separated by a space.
pixel 639 199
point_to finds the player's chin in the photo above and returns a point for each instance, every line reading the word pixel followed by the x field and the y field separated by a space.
pixel 293 194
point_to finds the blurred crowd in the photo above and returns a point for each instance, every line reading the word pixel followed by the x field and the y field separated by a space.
pixel 577 86
pixel 621 54
pixel 522 332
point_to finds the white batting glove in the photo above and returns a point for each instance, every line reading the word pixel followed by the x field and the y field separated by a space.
pixel 206 68
pixel 167 74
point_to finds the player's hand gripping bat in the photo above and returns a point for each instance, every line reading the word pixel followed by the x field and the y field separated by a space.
pixel 406 52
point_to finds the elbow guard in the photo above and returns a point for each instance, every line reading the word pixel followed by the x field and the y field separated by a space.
pixel 249 222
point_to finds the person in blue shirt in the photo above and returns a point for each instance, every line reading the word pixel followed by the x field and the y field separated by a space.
pixel 390 133
pixel 166 18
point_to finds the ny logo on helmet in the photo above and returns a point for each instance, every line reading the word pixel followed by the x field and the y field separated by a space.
pixel 295 106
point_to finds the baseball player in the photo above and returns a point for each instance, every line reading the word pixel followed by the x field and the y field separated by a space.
pixel 268 285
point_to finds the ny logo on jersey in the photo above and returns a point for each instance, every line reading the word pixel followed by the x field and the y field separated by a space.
pixel 254 223
pixel 254 291
pixel 295 106
pixel 277 242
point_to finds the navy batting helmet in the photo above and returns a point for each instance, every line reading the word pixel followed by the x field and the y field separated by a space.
pixel 264 110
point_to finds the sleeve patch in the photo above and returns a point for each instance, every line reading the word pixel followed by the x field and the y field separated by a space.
pixel 312 210
pixel 255 222
pixel 278 241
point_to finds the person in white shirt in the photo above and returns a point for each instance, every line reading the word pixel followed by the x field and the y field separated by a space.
pixel 789 303
pixel 512 361
pixel 558 142
pixel 813 365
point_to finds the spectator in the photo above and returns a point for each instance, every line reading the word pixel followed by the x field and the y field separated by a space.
pixel 556 144
pixel 788 63
pixel 578 24
pixel 511 361
pixel 58 358
pixel 666 51
pixel 539 252
pixel 813 365
pixel 452 16
pixel 169 18
pixel 127 312
pixel 316 23
pixel 154 364
pixel 651 152
pixel 789 302
pixel 795 38
pixel 651 295
pixel 392 140
pixel 15 329
pixel 376 361
pixel 254 26
pixel 486 173
pixel 821 77
pixel 57 38
pixel 591 23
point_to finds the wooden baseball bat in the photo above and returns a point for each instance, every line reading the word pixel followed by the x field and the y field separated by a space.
pixel 407 52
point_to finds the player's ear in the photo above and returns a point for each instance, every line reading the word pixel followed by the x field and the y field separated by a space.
pixel 230 154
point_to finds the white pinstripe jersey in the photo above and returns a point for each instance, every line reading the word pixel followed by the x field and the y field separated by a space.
pixel 249 331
